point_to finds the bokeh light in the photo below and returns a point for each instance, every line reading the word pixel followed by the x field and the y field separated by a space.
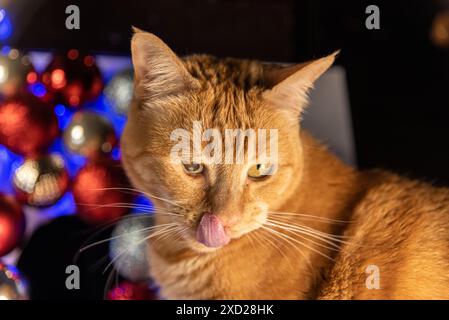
pixel 5 25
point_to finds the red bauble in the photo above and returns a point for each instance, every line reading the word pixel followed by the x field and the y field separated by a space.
pixel 98 191
pixel 73 78
pixel 131 291
pixel 27 125
pixel 12 224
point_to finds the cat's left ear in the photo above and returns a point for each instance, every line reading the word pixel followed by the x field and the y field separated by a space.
pixel 290 85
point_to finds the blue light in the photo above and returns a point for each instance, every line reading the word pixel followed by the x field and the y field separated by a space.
pixel 64 115
pixel 60 110
pixel 63 207
pixel 5 25
pixel 116 154
pixel 38 89
pixel 102 107
pixel 8 163
pixel 13 269
pixel 5 50
pixel 144 205
pixel 2 15
pixel 73 162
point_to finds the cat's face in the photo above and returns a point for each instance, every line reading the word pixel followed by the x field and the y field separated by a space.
pixel 212 202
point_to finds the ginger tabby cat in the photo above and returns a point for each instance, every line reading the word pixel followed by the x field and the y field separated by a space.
pixel 309 231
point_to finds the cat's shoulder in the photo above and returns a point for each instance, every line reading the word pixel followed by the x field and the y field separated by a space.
pixel 396 211
pixel 395 194
pixel 401 226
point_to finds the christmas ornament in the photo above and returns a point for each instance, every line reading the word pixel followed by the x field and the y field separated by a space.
pixel 16 71
pixel 89 134
pixel 98 192
pixel 12 224
pixel 27 125
pixel 439 32
pixel 73 78
pixel 12 285
pixel 41 181
pixel 119 91
pixel 131 291
pixel 128 248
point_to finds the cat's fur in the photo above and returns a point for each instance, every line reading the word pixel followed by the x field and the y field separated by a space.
pixel 399 225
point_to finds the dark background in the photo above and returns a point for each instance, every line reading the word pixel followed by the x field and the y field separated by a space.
pixel 397 78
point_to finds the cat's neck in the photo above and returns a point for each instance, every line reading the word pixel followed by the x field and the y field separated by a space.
pixel 328 188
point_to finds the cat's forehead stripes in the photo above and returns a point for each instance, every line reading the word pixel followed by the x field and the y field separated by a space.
pixel 228 109
pixel 242 74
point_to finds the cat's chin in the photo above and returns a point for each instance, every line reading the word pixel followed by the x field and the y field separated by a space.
pixel 199 247
pixel 191 242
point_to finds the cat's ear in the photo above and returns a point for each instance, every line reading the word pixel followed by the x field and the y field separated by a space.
pixel 158 71
pixel 289 86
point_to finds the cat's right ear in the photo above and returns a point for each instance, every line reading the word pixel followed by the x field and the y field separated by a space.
pixel 158 72
pixel 289 86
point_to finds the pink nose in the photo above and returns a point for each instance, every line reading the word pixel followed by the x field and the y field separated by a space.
pixel 211 232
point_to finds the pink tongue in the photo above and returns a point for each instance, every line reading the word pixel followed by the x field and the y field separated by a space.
pixel 211 232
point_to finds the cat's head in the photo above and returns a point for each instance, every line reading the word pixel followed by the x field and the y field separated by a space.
pixel 220 199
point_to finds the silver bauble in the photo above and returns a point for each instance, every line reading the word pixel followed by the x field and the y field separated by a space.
pixel 128 247
pixel 119 91
pixel 41 181
pixel 89 134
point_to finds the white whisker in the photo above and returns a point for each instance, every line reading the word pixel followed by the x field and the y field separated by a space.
pixel 123 235
pixel 306 229
pixel 334 247
pixel 142 192
pixel 297 241
pixel 158 232
pixel 288 241
pixel 307 216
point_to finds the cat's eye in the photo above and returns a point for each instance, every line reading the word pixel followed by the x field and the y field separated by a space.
pixel 260 171
pixel 193 168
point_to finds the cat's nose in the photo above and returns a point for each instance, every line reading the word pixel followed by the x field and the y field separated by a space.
pixel 211 231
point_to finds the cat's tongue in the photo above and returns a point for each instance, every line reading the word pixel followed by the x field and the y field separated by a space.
pixel 211 232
